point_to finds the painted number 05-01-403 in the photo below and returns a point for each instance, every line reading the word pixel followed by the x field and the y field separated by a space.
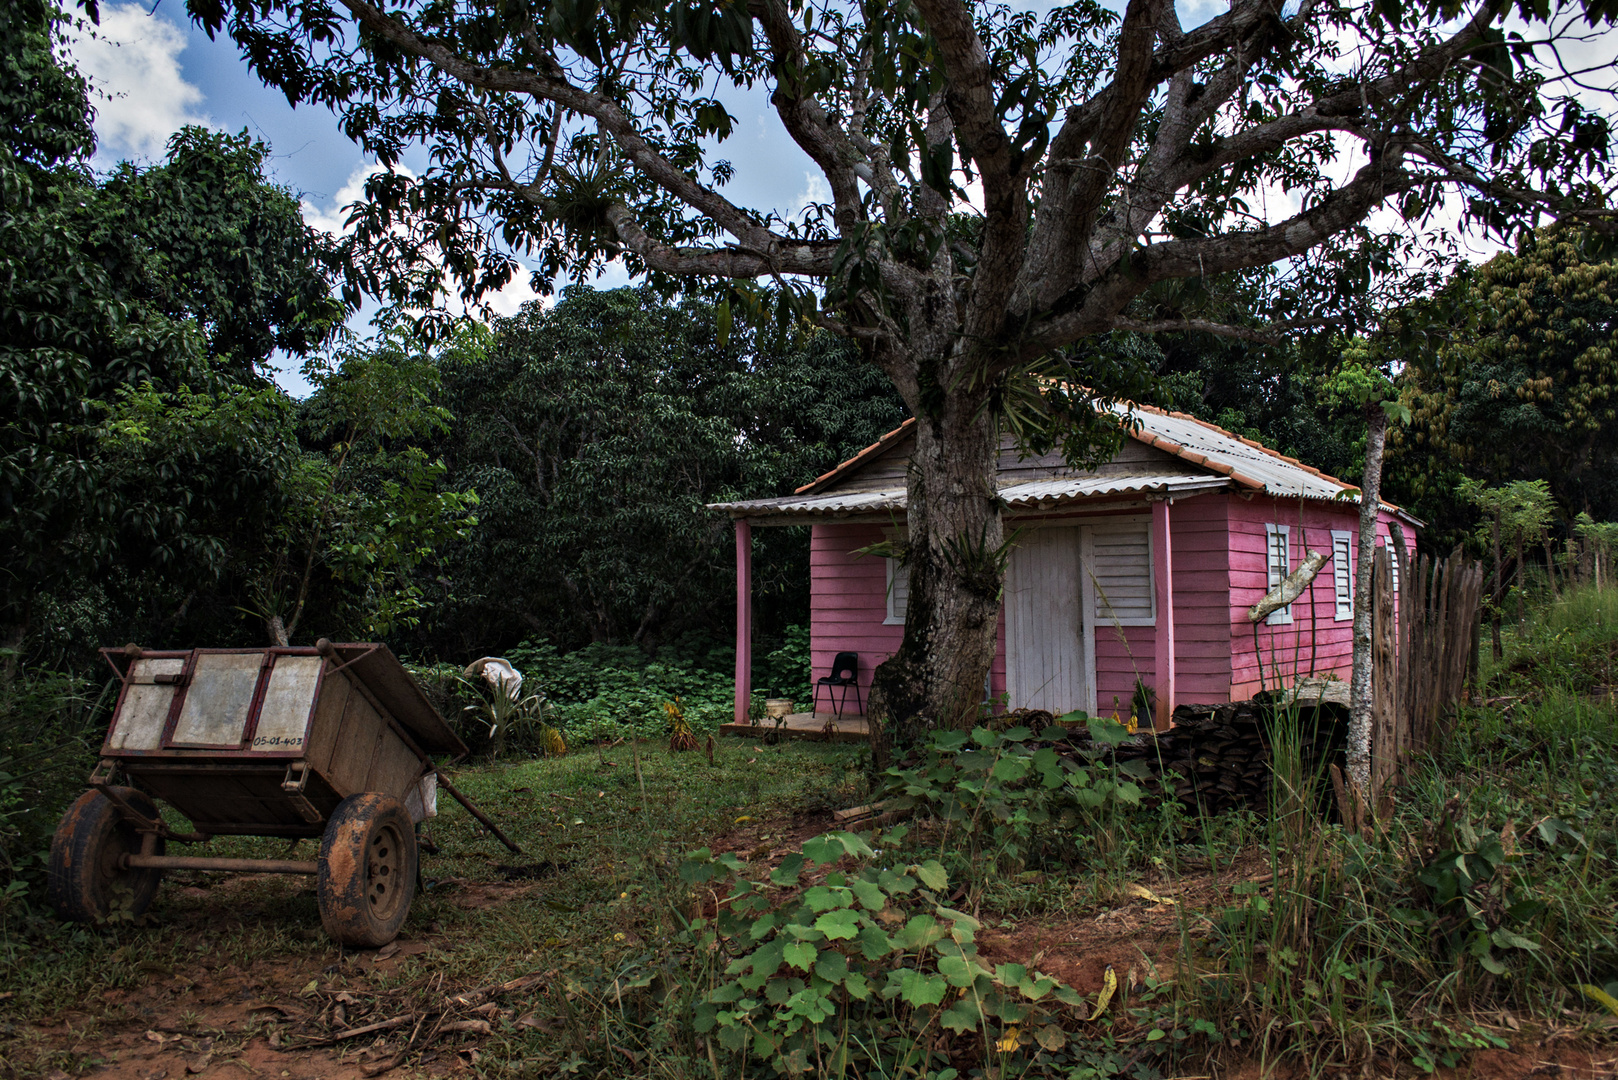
pixel 276 742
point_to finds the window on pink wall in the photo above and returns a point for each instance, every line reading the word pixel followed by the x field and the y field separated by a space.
pixel 898 580
pixel 898 592
pixel 1342 573
pixel 1393 560
pixel 1278 559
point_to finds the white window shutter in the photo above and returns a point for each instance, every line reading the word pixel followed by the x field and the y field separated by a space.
pixel 1121 565
pixel 1278 562
pixel 1342 572
pixel 1393 562
pixel 898 592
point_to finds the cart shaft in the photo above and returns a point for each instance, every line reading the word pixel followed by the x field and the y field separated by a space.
pixel 202 862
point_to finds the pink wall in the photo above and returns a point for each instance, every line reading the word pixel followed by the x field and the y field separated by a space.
pixel 1289 652
pixel 848 599
pixel 1219 572
pixel 1201 598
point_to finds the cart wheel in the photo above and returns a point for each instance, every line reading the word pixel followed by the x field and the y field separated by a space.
pixel 85 883
pixel 367 874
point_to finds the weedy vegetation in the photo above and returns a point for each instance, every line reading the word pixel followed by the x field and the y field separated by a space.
pixel 697 918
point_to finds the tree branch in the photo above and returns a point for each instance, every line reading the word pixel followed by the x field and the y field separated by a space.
pixel 1269 334
pixel 808 259
pixel 553 86
pixel 804 117
pixel 1097 307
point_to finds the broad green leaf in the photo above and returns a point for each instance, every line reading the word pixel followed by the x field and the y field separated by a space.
pixel 800 954
pixel 832 966
pixel 839 924
pixel 957 970
pixel 961 1017
pixel 787 873
pixel 821 898
pixel 824 849
pixel 932 874
pixel 920 989
pixel 875 943
pixel 870 894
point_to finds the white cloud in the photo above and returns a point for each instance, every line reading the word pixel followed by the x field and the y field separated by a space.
pixel 133 61
pixel 815 191
pixel 332 217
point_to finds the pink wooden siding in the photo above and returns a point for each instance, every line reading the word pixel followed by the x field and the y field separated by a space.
pixel 1120 663
pixel 1201 599
pixel 1288 652
pixel 1219 572
pixel 848 599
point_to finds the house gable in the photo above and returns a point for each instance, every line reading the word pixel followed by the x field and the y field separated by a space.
pixel 884 468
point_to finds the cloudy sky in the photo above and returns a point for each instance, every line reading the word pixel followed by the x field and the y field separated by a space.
pixel 154 72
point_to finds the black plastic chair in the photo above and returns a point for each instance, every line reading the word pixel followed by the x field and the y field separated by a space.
pixel 845 672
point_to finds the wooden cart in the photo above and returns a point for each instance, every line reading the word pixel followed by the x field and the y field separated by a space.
pixel 333 742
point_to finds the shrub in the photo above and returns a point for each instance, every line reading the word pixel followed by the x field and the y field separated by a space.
pixel 847 971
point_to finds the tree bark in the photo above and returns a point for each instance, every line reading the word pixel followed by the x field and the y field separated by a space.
pixel 1499 591
pixel 12 637
pixel 956 560
pixel 1359 692
pixel 278 631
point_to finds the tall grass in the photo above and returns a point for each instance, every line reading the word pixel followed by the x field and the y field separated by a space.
pixel 1492 887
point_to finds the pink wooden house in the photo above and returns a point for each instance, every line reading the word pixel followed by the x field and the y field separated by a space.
pixel 1142 569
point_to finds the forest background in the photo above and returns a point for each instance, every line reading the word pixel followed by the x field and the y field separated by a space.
pixel 534 486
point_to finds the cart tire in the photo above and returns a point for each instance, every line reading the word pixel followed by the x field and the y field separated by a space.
pixel 85 883
pixel 367 875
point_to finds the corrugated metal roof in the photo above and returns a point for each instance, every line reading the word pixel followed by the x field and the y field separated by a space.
pixel 1249 464
pixel 1245 463
pixel 835 502
pixel 1038 493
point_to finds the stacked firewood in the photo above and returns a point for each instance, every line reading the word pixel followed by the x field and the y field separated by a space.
pixel 1216 757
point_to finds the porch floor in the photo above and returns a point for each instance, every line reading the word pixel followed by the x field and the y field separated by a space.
pixel 850 727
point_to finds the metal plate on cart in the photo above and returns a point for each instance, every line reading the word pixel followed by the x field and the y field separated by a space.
pixel 217 701
pixel 283 719
pixel 145 708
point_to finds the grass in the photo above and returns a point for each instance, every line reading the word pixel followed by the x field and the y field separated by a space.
pixel 599 834
pixel 1484 906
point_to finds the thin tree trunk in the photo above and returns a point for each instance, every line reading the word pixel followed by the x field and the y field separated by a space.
pixel 1499 591
pixel 956 560
pixel 11 640
pixel 1359 692
pixel 278 631
pixel 1522 586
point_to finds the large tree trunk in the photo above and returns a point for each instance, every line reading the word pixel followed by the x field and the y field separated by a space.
pixel 1359 691
pixel 956 561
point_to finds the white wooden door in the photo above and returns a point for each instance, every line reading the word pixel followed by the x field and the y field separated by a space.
pixel 1045 655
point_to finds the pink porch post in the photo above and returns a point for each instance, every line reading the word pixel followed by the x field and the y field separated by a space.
pixel 1163 575
pixel 744 619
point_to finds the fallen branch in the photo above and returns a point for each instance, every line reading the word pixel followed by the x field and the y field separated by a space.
pixel 351 1033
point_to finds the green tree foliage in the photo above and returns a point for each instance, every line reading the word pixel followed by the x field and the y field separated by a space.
pixel 595 431
pixel 1002 181
pixel 1531 393
pixel 186 274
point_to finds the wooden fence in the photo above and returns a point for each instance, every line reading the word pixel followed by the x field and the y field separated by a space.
pixel 1421 653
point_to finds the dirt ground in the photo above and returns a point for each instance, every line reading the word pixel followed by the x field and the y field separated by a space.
pixel 321 1018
